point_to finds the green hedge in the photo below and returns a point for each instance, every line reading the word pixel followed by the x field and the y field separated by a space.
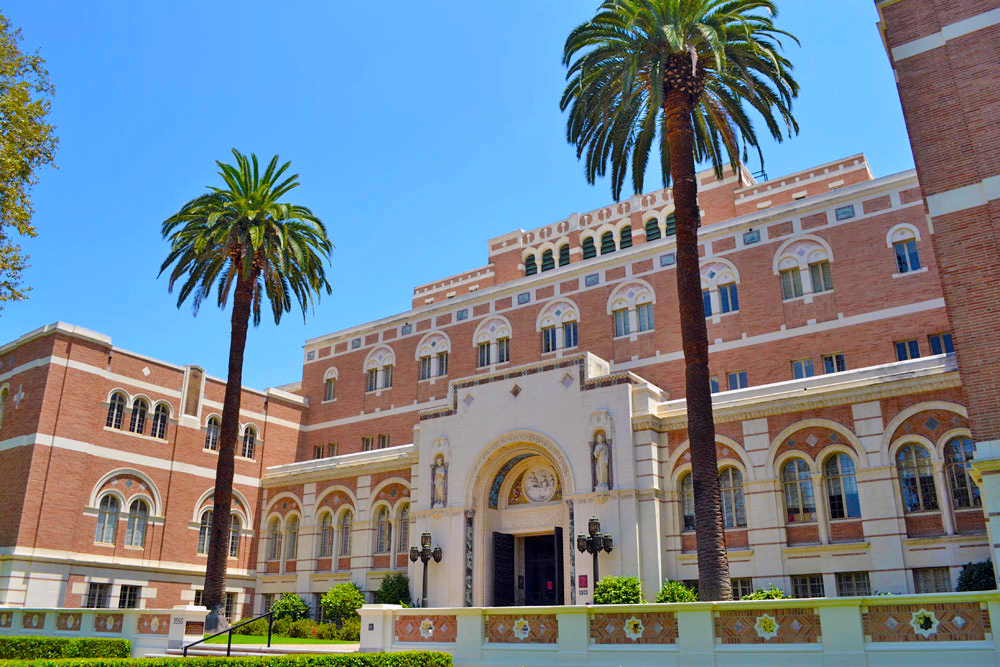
pixel 29 648
pixel 403 659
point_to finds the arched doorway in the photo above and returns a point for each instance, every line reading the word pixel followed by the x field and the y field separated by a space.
pixel 521 523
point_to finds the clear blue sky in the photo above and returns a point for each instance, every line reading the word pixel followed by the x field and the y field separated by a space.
pixel 420 130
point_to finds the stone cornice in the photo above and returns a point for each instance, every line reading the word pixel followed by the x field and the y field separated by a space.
pixel 337 467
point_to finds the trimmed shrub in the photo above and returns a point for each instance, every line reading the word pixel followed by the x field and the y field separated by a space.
pixel 675 591
pixel 350 631
pixel 769 593
pixel 291 606
pixel 281 627
pixel 618 590
pixel 394 589
pixel 303 628
pixel 402 659
pixel 258 628
pixel 328 631
pixel 977 577
pixel 342 602
pixel 27 648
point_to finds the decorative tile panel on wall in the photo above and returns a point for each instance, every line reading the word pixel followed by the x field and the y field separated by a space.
pixel 154 624
pixel 767 626
pixel 641 628
pixel 68 622
pixel 955 622
pixel 521 629
pixel 108 623
pixel 437 628
pixel 33 620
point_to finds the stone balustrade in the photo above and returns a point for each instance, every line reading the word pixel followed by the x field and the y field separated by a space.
pixel 913 630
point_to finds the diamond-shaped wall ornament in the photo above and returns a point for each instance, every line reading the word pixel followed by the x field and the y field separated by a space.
pixel 712 274
pixel 434 343
pixel 812 439
pixel 468 400
pixel 834 436
pixel 567 380
pixel 725 451
pixel 801 252
pixel 146 371
pixel 128 484
pixel 931 424
pixel 609 628
pixel 515 390
pixel 493 328
pixel 795 625
pixel 958 621
pixel 558 312
pixel 891 623
pixel 738 626
pixel 631 293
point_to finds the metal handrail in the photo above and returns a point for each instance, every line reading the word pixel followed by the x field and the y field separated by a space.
pixel 229 642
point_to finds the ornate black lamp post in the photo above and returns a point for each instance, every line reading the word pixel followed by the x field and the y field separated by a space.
pixel 425 553
pixel 593 543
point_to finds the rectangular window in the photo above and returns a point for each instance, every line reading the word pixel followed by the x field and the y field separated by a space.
pixel 570 335
pixel 853 583
pixel 706 299
pixel 383 441
pixel 425 368
pixel 366 444
pixel 331 449
pixel 741 586
pixel 822 279
pixel 230 606
pixel 484 355
pixel 941 343
pixel 729 298
pixel 714 382
pixel 503 350
pixel 791 283
pixel 907 349
pixel 621 323
pixel 803 368
pixel 97 596
pixel 266 600
pixel 128 597
pixel 442 363
pixel 807 586
pixel 834 363
pixel 330 390
pixel 930 579
pixel 197 598
pixel 645 317
pixel 548 339
pixel 737 380
pixel 907 258
pixel 372 379
pixel 387 376
pixel 318 452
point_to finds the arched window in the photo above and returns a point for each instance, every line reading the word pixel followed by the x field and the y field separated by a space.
pixel 382 532
pixel 135 530
pixel 274 540
pixel 801 259
pixel 687 501
pixel 404 530
pixel 548 261
pixel 607 243
pixel 115 410
pixel 107 518
pixel 589 250
pixel 204 531
pixel 626 238
pixel 160 416
pixel 530 267
pixel 916 479
pixel 800 505
pixel 672 225
pixel 345 533
pixel 842 487
pixel 249 440
pixel 292 546
pixel 212 434
pixel 138 422
pixel 330 384
pixel 652 230
pixel 564 254
pixel 958 457
pixel 325 536
pixel 234 536
pixel 734 512
pixel 903 240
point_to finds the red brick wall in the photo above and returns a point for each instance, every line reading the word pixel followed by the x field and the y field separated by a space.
pixel 846 531
pixel 918 525
pixel 808 534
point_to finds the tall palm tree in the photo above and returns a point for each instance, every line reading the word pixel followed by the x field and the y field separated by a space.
pixel 241 239
pixel 687 72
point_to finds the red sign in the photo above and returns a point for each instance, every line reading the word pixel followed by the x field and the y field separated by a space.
pixel 583 581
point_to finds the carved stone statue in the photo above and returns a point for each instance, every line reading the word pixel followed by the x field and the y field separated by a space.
pixel 439 482
pixel 601 453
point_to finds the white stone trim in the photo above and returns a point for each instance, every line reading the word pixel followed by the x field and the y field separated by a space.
pixel 947 33
pixel 968 196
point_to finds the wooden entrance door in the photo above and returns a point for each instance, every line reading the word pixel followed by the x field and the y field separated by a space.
pixel 503 570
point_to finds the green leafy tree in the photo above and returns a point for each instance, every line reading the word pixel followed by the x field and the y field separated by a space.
pixel 676 591
pixel 342 602
pixel 682 74
pixel 772 592
pixel 291 606
pixel 618 590
pixel 394 589
pixel 242 239
pixel 977 577
pixel 27 143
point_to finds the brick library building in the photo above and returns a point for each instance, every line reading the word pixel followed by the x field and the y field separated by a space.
pixel 514 402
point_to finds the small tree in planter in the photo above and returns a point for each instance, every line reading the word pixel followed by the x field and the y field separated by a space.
pixel 290 606
pixel 394 589
pixel 618 590
pixel 675 591
pixel 977 577
pixel 342 602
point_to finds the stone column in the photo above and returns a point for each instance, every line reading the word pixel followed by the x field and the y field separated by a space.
pixel 986 474
pixel 822 515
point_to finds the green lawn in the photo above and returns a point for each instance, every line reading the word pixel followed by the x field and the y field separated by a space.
pixel 254 639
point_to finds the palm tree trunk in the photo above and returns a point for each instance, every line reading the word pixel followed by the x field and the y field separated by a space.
pixel 218 546
pixel 713 563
